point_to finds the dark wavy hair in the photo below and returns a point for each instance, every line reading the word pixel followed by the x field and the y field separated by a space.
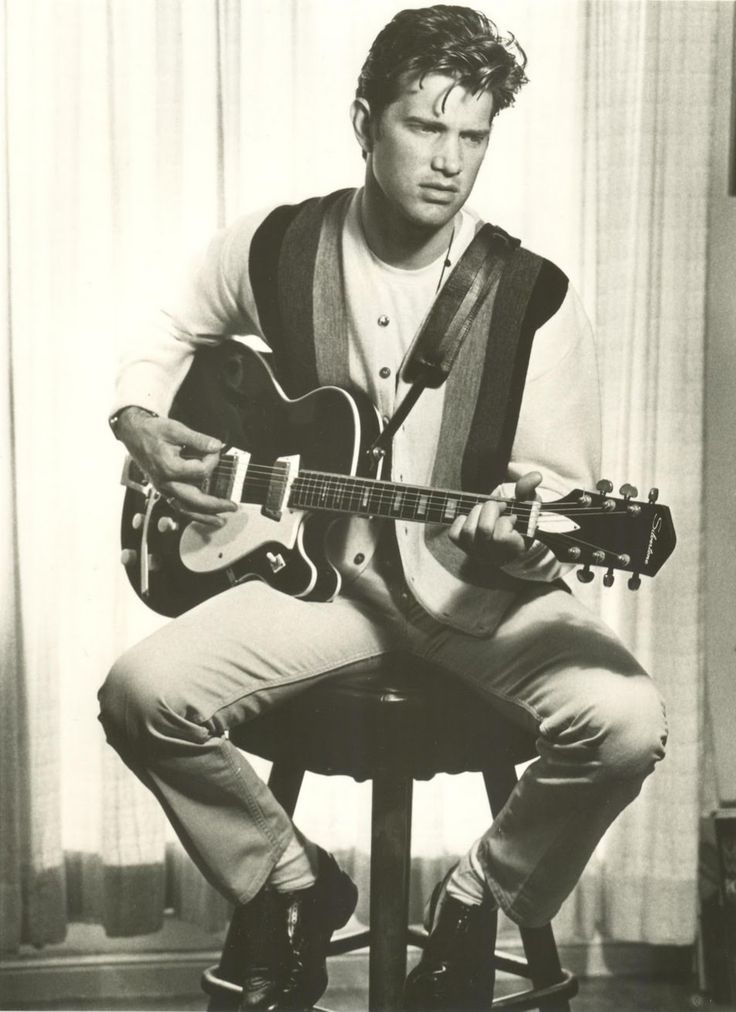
pixel 456 41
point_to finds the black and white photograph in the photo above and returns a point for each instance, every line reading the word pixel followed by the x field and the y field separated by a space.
pixel 367 451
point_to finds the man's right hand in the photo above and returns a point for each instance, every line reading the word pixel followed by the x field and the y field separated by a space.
pixel 177 460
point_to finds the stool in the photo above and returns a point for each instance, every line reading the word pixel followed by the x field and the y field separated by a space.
pixel 393 720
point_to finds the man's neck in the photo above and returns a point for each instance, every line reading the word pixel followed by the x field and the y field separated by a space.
pixel 394 239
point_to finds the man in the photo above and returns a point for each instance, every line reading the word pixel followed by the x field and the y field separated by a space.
pixel 357 272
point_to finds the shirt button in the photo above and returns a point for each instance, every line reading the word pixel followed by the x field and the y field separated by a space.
pixel 383 321
pixel 359 558
pixel 385 419
pixel 384 372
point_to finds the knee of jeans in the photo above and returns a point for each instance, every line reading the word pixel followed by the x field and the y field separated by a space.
pixel 135 711
pixel 634 727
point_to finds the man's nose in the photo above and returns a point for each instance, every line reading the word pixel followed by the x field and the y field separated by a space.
pixel 447 159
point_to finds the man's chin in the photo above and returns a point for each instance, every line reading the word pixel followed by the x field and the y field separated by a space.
pixel 432 216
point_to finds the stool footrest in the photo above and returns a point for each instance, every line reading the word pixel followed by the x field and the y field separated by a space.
pixel 348 943
pixel 551 998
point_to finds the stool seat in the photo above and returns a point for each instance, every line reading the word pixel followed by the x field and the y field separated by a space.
pixel 393 720
pixel 392 714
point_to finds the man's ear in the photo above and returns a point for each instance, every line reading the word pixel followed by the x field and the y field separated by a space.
pixel 360 114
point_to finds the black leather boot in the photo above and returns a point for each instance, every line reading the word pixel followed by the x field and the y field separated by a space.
pixel 456 971
pixel 277 944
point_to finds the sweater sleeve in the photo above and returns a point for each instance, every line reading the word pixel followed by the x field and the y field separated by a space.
pixel 212 301
pixel 559 428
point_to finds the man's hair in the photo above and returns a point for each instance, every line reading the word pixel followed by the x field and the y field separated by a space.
pixel 455 41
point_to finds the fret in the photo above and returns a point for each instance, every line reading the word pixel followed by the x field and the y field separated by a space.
pixel 371 497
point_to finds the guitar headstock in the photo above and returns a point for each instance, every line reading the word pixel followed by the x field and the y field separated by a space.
pixel 598 529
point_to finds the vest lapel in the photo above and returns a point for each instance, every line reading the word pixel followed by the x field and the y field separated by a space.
pixel 312 295
pixel 330 314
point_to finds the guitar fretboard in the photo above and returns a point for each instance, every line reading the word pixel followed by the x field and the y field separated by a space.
pixel 369 497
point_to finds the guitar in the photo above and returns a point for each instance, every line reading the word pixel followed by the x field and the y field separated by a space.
pixel 295 465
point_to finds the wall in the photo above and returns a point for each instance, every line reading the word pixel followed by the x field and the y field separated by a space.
pixel 720 425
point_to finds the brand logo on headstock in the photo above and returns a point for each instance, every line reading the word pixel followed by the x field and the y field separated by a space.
pixel 656 526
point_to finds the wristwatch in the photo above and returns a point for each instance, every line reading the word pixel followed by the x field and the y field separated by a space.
pixel 114 419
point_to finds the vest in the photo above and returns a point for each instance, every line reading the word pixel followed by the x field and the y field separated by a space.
pixel 296 275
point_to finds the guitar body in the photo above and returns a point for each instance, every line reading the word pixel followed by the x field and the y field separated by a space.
pixel 230 393
pixel 293 465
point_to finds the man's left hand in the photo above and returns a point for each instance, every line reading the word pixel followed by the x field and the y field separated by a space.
pixel 488 533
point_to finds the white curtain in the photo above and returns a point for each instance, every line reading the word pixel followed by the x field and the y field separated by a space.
pixel 134 129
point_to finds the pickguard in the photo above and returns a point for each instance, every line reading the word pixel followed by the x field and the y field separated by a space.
pixel 208 549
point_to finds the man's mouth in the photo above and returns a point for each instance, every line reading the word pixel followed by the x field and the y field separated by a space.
pixel 437 193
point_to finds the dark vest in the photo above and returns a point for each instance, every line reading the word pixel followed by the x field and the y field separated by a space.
pixel 296 273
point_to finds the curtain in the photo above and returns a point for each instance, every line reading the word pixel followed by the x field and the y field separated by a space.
pixel 134 130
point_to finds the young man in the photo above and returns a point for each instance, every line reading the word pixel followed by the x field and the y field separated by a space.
pixel 352 277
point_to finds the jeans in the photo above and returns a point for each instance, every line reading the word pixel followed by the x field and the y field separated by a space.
pixel 551 666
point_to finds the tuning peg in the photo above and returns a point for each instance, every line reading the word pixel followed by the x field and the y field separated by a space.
pixel 653 494
pixel 608 578
pixel 585 575
pixel 627 491
pixel 605 486
pixel 634 582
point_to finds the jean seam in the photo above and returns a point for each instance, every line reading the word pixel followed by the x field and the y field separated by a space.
pixel 251 802
pixel 294 680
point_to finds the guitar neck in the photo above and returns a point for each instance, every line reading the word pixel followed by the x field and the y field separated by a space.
pixel 369 497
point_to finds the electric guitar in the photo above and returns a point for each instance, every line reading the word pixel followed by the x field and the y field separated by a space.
pixel 295 465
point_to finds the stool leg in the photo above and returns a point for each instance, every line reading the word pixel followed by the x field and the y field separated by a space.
pixel 500 782
pixel 390 864
pixel 544 964
pixel 285 782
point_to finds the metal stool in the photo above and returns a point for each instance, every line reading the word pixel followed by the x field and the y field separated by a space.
pixel 394 720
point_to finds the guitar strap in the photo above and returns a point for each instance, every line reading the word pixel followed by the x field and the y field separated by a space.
pixel 440 339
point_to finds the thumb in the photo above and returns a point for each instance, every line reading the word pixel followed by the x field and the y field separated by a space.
pixel 526 486
pixel 192 440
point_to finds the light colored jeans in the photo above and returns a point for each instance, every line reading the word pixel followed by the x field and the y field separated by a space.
pixel 551 666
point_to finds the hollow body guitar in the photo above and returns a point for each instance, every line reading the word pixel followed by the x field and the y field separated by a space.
pixel 294 465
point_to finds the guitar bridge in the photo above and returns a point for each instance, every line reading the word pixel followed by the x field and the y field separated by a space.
pixel 280 481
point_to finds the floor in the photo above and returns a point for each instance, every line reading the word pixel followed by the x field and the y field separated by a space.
pixel 347 994
pixel 667 987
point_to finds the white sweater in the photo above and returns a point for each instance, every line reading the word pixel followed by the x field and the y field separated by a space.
pixel 558 431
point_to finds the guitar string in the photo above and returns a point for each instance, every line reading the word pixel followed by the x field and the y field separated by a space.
pixel 334 497
pixel 387 503
pixel 386 494
pixel 330 497
pixel 357 482
pixel 379 489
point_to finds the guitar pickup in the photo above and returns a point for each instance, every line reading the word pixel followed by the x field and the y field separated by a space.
pixel 282 476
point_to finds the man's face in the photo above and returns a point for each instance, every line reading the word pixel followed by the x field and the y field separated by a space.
pixel 428 146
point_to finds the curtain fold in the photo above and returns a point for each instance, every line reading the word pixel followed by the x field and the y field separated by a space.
pixel 133 131
pixel 650 163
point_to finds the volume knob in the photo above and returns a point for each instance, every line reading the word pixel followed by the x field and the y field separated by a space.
pixel 128 557
pixel 167 525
